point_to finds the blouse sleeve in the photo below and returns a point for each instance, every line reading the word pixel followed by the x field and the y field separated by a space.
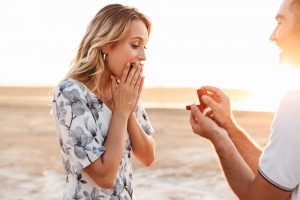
pixel 78 121
pixel 143 119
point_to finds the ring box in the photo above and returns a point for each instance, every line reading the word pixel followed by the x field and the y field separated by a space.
pixel 202 105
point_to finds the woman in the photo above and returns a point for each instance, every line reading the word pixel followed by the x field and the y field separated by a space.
pixel 99 117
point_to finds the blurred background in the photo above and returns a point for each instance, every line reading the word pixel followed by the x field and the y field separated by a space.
pixel 193 43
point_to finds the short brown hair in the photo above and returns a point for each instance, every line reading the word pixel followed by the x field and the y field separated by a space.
pixel 295 8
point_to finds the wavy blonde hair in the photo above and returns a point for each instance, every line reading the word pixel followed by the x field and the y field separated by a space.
pixel 110 25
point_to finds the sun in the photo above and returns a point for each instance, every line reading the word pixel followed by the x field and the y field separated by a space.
pixel 277 83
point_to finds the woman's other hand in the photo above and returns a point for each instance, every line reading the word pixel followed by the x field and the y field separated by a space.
pixel 126 91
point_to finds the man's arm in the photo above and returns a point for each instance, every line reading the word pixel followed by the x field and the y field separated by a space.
pixel 246 146
pixel 222 114
pixel 245 184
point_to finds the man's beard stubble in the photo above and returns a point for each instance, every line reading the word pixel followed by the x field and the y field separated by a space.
pixel 290 57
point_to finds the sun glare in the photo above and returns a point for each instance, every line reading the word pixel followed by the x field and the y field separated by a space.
pixel 207 44
pixel 267 96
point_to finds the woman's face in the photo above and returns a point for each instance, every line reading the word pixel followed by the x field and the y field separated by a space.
pixel 131 49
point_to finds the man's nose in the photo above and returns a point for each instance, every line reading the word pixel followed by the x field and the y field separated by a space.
pixel 273 36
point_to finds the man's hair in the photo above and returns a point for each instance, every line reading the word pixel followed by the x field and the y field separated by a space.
pixel 295 8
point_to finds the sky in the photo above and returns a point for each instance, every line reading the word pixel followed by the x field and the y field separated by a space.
pixel 194 42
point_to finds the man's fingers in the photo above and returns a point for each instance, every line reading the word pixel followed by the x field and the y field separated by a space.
pixel 214 90
pixel 193 120
pixel 209 113
pixel 213 96
pixel 210 102
pixel 196 112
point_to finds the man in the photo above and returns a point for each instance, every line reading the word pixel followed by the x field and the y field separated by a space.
pixel 272 174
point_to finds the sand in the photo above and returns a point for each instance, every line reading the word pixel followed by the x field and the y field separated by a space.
pixel 185 166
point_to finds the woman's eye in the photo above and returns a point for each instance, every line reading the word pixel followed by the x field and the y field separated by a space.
pixel 135 46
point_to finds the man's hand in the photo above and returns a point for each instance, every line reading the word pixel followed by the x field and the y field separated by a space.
pixel 220 107
pixel 204 126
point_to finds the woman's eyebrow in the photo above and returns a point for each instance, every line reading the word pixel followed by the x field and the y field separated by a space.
pixel 137 37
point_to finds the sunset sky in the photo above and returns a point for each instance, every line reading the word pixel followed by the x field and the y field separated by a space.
pixel 194 42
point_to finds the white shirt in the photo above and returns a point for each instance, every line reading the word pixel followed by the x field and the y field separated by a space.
pixel 280 161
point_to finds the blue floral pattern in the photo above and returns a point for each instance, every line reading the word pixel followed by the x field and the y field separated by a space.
pixel 82 122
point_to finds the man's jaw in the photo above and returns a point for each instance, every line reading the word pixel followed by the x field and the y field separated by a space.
pixel 290 57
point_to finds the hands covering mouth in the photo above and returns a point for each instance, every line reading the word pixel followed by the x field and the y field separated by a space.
pixel 133 63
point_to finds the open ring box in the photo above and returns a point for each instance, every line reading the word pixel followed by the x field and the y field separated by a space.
pixel 202 105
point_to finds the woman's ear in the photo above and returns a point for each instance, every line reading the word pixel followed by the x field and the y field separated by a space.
pixel 106 49
pixel 104 52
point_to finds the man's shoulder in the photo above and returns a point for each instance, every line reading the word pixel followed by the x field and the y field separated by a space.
pixel 291 101
pixel 294 94
pixel 288 113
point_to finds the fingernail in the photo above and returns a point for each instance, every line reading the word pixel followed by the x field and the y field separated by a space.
pixel 205 98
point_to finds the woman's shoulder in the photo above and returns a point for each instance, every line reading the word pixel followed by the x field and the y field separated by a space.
pixel 69 85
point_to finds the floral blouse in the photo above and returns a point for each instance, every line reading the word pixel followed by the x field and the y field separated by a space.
pixel 82 122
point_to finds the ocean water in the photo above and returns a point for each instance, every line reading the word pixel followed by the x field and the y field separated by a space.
pixel 241 100
pixel 177 98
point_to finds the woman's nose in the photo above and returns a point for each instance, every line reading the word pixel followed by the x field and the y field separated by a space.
pixel 142 55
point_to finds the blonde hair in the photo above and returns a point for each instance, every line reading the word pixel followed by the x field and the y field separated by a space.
pixel 110 25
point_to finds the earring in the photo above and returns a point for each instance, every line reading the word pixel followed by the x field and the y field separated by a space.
pixel 104 56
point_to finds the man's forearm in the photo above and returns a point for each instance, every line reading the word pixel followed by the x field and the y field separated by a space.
pixel 237 172
pixel 248 149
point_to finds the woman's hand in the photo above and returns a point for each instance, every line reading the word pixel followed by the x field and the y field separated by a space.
pixel 220 107
pixel 126 91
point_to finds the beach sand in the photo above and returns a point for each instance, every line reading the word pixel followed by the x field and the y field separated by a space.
pixel 185 167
